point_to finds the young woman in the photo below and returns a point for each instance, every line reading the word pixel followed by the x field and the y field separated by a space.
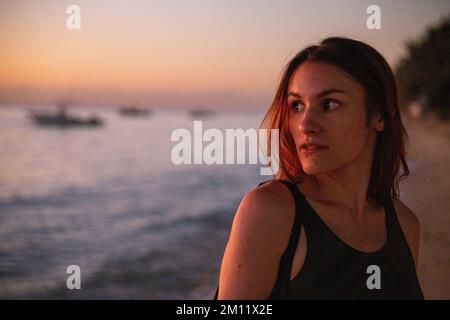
pixel 330 225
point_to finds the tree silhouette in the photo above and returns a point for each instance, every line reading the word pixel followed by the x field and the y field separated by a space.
pixel 423 75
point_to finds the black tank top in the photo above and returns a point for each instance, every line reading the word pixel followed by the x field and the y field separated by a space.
pixel 334 270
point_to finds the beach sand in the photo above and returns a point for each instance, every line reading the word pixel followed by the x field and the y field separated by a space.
pixel 426 192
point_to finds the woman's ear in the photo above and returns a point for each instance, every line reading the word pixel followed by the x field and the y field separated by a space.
pixel 378 122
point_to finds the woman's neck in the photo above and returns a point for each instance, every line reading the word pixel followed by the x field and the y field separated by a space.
pixel 346 186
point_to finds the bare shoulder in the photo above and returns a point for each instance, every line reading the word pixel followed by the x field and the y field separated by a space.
pixel 269 208
pixel 410 226
pixel 271 201
pixel 408 219
pixel 259 236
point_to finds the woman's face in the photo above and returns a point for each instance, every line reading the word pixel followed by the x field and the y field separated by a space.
pixel 327 108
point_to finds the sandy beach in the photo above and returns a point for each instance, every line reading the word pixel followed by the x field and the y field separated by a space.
pixel 426 192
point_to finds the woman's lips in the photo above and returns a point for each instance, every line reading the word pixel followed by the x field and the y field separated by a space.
pixel 312 149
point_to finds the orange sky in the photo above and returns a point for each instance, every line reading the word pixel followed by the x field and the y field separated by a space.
pixel 181 53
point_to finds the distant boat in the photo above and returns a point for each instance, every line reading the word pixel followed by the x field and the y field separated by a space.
pixel 63 120
pixel 132 111
pixel 200 113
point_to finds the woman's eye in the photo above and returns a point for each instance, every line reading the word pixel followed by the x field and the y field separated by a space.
pixel 330 104
pixel 297 105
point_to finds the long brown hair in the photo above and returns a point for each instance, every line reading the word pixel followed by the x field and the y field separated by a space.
pixel 370 69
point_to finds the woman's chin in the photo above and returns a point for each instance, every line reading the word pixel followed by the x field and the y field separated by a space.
pixel 312 170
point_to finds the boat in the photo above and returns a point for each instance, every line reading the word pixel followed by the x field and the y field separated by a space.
pixel 63 120
pixel 132 111
pixel 200 113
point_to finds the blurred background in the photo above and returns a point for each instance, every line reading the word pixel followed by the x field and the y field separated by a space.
pixel 86 117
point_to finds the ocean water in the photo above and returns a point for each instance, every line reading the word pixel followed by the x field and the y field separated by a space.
pixel 111 201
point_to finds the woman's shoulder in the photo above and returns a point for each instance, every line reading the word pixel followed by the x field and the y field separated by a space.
pixel 410 226
pixel 259 236
pixel 273 199
pixel 405 214
pixel 270 208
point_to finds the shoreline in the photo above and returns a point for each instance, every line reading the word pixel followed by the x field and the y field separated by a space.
pixel 425 192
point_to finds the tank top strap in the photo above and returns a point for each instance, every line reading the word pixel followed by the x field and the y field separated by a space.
pixel 395 231
pixel 295 232
pixel 281 288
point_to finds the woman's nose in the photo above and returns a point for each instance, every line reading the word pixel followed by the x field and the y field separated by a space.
pixel 309 122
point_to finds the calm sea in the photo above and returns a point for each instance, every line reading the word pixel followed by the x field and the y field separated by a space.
pixel 110 201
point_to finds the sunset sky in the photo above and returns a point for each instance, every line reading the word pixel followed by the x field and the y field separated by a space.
pixel 169 54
